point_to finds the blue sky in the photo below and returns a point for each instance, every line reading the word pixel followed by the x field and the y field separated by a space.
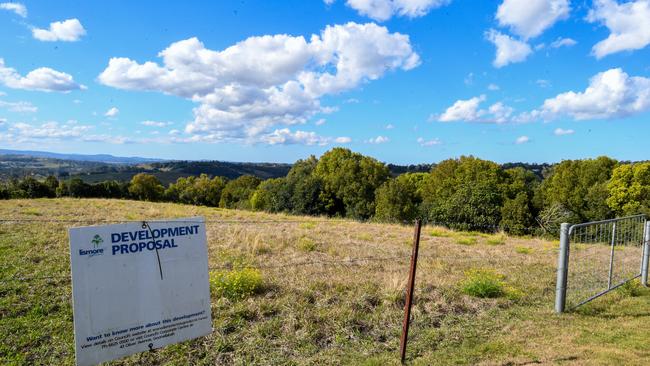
pixel 405 81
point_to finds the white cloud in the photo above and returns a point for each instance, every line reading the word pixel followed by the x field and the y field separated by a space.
pixel 389 126
pixel 563 132
pixel 343 140
pixel 463 110
pixel 522 140
pixel 469 79
pixel 378 140
pixel 21 107
pixel 156 123
pixel 543 83
pixel 628 24
pixel 426 143
pixel 286 137
pixel 469 111
pixel 320 122
pixel 174 132
pixel 41 79
pixel 610 94
pixel 509 50
pixel 245 91
pixel 48 130
pixel 17 8
pixel 563 42
pixel 352 101
pixel 69 30
pixel 382 10
pixel 112 112
pixel 530 18
pixel 493 87
pixel 3 121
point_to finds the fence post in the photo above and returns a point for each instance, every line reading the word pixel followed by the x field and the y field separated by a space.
pixel 646 254
pixel 562 269
pixel 409 290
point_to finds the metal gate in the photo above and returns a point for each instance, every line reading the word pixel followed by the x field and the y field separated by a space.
pixel 597 257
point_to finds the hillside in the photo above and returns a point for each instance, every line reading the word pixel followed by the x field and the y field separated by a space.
pixel 331 293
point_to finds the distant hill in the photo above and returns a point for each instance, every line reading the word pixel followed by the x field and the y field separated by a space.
pixel 99 158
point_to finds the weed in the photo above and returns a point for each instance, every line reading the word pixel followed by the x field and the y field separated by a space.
pixel 523 250
pixel 236 284
pixel 307 225
pixel 306 244
pixel 466 240
pixel 440 233
pixel 483 284
pixel 499 239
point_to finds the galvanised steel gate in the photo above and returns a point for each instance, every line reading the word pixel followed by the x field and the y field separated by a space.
pixel 597 257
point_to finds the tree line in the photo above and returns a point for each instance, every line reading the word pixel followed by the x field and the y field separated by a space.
pixel 464 193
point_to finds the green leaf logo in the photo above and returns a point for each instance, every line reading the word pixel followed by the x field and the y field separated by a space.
pixel 97 240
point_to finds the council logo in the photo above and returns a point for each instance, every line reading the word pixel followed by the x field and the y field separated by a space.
pixel 96 249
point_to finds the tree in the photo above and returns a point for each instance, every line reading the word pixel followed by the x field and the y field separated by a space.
pixel 146 187
pixel 237 192
pixel 350 181
pixel 398 199
pixel 272 195
pixel 518 210
pixel 464 193
pixel 579 186
pixel 629 189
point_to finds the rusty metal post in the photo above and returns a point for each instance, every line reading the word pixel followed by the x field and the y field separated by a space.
pixel 409 290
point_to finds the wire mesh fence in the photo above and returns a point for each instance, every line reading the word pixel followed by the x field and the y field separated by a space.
pixel 603 256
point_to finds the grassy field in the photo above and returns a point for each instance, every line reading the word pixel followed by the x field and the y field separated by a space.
pixel 326 292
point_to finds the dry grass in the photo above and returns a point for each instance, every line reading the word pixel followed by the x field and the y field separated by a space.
pixel 332 293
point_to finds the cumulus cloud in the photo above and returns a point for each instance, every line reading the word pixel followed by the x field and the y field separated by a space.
pixel 509 50
pixel 610 94
pixel 286 137
pixel 463 110
pixel 563 132
pixel 20 107
pixel 17 8
pixel 493 87
pixel 522 140
pixel 343 140
pixel 628 24
pixel 530 18
pixel 426 143
pixel 382 10
pixel 69 30
pixel 378 140
pixel 470 110
pixel 41 79
pixel 320 122
pixel 247 90
pixel 112 112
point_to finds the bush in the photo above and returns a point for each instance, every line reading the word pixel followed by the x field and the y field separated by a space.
pixel 236 284
pixel 483 284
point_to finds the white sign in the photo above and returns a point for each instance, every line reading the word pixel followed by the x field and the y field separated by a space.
pixel 137 287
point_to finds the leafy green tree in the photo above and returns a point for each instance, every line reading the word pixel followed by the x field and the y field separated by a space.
pixel 398 199
pixel 580 188
pixel 51 183
pixel 30 187
pixel 464 193
pixel 199 190
pixel 629 189
pixel 272 195
pixel 237 192
pixel 518 211
pixel 78 188
pixel 146 187
pixel 350 181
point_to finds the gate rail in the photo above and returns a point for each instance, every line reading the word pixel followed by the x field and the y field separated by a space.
pixel 591 239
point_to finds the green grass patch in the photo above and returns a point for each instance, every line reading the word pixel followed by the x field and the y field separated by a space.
pixel 466 240
pixel 440 233
pixel 307 245
pixel 483 284
pixel 496 240
pixel 307 225
pixel 236 284
pixel 523 250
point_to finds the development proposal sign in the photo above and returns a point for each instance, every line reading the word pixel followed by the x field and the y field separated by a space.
pixel 138 286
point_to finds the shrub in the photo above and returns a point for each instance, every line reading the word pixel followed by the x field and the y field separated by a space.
pixel 236 284
pixel 483 284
